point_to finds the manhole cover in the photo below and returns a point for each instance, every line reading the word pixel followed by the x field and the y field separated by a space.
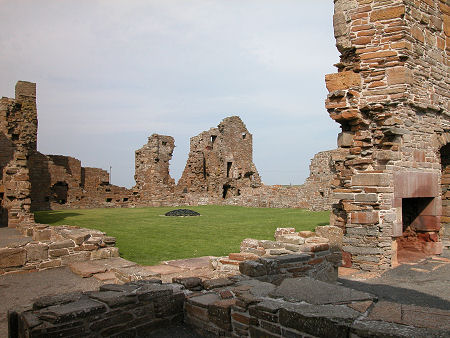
pixel 182 212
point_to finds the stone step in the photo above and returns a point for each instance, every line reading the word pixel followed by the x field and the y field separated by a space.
pixel 242 256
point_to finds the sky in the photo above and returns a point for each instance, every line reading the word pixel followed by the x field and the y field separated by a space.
pixel 110 73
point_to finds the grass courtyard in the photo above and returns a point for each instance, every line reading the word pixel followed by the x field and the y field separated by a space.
pixel 147 237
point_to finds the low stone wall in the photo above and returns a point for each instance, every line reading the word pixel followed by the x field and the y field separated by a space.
pixel 292 254
pixel 130 310
pixel 53 246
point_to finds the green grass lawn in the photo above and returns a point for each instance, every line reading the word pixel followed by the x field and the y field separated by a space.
pixel 146 237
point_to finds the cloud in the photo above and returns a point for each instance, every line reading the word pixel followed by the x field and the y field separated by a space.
pixel 110 73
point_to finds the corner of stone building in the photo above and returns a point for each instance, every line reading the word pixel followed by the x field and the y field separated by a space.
pixel 390 97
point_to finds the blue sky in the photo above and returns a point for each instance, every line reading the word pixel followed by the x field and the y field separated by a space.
pixel 110 73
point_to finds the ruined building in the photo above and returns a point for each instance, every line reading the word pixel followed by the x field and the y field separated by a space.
pixel 154 186
pixel 220 163
pixel 219 170
pixel 391 97
pixel 18 135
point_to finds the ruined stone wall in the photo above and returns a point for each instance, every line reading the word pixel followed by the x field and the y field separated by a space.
pixel 154 186
pixel 18 135
pixel 315 194
pixel 391 97
pixel 60 182
pixel 220 163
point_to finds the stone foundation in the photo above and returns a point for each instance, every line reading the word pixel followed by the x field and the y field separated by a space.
pixel 54 246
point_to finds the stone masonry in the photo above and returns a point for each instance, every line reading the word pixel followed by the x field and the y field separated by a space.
pixel 18 134
pixel 154 186
pixel 391 98
pixel 220 163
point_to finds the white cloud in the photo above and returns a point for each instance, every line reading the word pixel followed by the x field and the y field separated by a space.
pixel 113 72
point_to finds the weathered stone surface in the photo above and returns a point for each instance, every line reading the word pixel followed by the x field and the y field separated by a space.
pixel 252 269
pixel 319 320
pixel 113 298
pixel 11 257
pixel 36 252
pixel 216 283
pixel 188 282
pixel 86 269
pixel 70 311
pixel 316 292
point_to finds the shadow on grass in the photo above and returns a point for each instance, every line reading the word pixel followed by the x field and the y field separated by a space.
pixel 52 217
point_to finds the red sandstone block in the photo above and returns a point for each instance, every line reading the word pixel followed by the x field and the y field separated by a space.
pixel 342 80
pixel 241 318
pixel 228 262
pixel 346 259
pixel 387 13
pixel 196 312
pixel 315 261
pixel 364 217
pixel 242 256
pixel 380 54
pixel 399 75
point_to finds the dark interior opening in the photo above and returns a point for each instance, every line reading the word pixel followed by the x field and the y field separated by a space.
pixel 125 199
pixel 226 188
pixel 109 200
pixel 59 192
pixel 213 138
pixel 412 209
pixel 229 164
pixel 244 135
pixel 164 143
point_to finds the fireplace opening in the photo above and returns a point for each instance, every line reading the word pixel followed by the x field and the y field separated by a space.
pixel 412 212
pixel 418 226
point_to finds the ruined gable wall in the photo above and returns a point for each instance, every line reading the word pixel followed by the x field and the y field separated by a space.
pixel 18 135
pixel 154 186
pixel 391 97
pixel 220 164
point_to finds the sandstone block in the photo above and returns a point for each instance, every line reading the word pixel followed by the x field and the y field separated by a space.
pixel 364 217
pixel 306 234
pixel 36 252
pixel 62 244
pixel 58 252
pixel 42 235
pixel 79 257
pixel 333 234
pixel 387 13
pixel 12 257
pixel 343 80
pixel 399 75
pixel 290 239
pixel 371 179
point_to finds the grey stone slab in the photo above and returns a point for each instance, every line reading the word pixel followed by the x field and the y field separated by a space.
pixel 113 298
pixel 204 300
pixel 252 269
pixel 47 301
pixel 258 288
pixel 316 292
pixel 154 290
pixel 71 311
pixel 318 320
pixel 216 283
pixel 294 258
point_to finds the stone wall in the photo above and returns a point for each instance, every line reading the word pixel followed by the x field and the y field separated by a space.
pixel 130 310
pixel 220 163
pixel 18 133
pixel 60 182
pixel 391 98
pixel 54 246
pixel 154 186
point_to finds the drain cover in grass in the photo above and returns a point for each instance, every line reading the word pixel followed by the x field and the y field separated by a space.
pixel 182 212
